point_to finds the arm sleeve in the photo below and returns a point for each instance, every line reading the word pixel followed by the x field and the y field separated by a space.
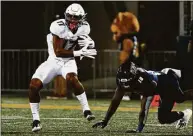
pixel 145 104
pixel 145 109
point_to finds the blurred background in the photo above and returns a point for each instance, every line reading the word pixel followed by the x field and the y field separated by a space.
pixel 164 28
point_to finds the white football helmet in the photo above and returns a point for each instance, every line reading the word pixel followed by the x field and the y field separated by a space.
pixel 74 15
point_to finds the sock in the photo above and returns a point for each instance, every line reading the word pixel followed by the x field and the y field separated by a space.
pixel 35 107
pixel 83 101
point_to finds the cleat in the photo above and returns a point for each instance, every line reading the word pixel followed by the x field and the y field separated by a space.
pixel 36 126
pixel 88 115
pixel 126 98
pixel 182 123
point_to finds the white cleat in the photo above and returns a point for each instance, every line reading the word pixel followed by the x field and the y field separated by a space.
pixel 126 98
pixel 36 126
pixel 183 122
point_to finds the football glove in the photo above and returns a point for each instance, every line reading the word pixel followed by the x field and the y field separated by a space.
pixel 140 127
pixel 85 40
pixel 84 52
pixel 100 124
pixel 137 130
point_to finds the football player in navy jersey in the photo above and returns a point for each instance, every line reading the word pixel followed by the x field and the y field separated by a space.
pixel 131 78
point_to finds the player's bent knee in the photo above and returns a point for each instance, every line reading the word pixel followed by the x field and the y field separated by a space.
pixel 162 118
pixel 34 88
pixel 71 78
pixel 35 85
pixel 162 121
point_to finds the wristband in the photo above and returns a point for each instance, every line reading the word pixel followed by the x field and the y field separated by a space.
pixel 77 53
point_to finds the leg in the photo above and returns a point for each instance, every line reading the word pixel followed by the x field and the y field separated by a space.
pixel 69 72
pixel 165 115
pixel 73 82
pixel 34 90
pixel 43 75
pixel 34 98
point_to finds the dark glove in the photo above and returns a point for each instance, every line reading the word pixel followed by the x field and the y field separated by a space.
pixel 140 127
pixel 100 124
pixel 138 130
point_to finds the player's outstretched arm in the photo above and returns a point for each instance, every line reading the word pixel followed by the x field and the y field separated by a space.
pixel 145 104
pixel 112 108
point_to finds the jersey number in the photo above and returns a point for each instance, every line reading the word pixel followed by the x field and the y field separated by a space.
pixel 60 23
pixel 140 80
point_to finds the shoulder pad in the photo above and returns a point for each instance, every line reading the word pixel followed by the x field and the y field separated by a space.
pixel 59 28
pixel 83 29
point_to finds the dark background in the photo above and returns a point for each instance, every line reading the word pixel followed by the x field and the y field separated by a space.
pixel 25 24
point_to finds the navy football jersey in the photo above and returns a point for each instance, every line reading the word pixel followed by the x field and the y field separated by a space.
pixel 132 78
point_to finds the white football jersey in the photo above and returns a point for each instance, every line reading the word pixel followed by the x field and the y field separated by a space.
pixel 60 29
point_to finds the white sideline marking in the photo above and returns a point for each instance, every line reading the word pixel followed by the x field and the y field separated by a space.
pixel 20 117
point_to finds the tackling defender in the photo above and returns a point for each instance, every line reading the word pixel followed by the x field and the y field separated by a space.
pixel 65 35
pixel 131 78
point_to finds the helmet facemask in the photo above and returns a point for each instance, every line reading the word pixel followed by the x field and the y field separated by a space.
pixel 73 21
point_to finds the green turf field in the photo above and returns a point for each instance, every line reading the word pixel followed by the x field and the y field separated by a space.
pixel 64 118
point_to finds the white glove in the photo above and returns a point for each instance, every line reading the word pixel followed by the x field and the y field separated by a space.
pixel 85 40
pixel 84 52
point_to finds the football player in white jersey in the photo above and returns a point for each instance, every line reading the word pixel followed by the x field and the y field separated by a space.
pixel 64 35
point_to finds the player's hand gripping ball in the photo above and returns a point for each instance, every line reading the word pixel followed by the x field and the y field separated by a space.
pixel 85 40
